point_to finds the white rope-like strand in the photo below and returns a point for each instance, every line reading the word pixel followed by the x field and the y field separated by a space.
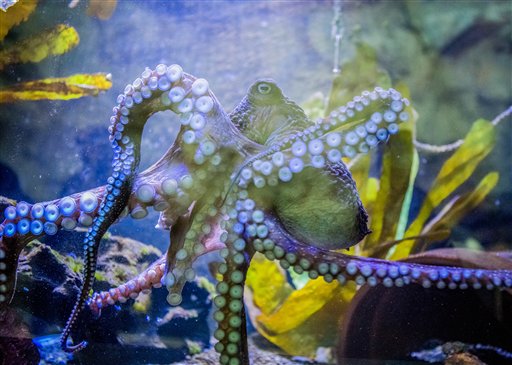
pixel 425 147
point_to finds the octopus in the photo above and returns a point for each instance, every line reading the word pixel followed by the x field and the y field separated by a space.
pixel 264 178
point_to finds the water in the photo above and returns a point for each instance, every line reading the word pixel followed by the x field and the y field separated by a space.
pixel 454 58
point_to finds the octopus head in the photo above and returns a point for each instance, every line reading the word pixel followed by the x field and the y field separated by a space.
pixel 265 92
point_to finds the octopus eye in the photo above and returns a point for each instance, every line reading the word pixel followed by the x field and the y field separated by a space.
pixel 264 88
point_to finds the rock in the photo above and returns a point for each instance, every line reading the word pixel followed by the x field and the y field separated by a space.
pixel 16 346
pixel 121 259
pixel 45 276
pixel 258 356
pixel 143 330
pixel 463 359
pixel 154 332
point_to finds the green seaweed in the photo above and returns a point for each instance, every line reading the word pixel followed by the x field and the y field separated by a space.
pixel 478 143
pixel 460 205
pixel 290 318
pixel 395 179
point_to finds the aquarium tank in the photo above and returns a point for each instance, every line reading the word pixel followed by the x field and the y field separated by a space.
pixel 255 182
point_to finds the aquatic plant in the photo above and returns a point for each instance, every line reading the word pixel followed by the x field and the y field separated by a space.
pixel 261 179
pixel 53 42
pixel 19 11
pixel 387 198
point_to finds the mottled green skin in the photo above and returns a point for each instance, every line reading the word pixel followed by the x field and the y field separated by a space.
pixel 322 209
pixel 266 116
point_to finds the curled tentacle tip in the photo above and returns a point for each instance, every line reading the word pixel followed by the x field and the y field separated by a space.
pixel 74 348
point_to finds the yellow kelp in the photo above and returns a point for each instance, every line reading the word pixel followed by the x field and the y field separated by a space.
pixel 290 318
pixel 455 171
pixel 16 14
pixel 53 42
pixel 72 87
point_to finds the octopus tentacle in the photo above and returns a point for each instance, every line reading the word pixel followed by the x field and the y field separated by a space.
pixel 161 271
pixel 150 278
pixel 25 222
pixel 189 244
pixel 334 265
pixel 231 331
pixel 360 125
pixel 110 209
pixel 293 253
pixel 156 274
pixel 156 90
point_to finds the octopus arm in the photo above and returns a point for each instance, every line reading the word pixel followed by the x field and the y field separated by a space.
pixel 335 265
